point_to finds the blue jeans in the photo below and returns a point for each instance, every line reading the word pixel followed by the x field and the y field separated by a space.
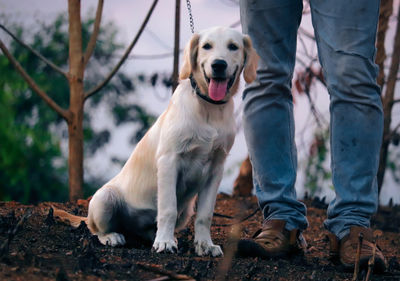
pixel 345 33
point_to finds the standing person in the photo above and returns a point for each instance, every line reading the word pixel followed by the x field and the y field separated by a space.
pixel 345 32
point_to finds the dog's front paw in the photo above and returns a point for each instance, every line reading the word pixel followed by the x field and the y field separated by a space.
pixel 165 246
pixel 205 248
pixel 112 239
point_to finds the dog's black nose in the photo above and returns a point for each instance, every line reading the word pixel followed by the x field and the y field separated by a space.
pixel 219 67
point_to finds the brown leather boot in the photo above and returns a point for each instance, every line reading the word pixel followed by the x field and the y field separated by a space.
pixel 273 240
pixel 345 250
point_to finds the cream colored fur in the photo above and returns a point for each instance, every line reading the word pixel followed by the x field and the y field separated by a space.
pixel 188 143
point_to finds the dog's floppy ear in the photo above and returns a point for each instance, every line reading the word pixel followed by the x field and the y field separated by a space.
pixel 251 60
pixel 190 57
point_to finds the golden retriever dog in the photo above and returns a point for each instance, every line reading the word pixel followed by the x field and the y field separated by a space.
pixel 182 155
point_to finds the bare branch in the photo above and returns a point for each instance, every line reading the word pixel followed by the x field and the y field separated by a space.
pixel 307 34
pixel 153 57
pixel 97 88
pixel 396 101
pixel 36 53
pixel 394 68
pixel 386 10
pixel 396 128
pixel 64 113
pixel 93 38
pixel 392 133
pixel 299 60
pixel 387 101
pixel 318 117
pixel 235 24
pixel 176 45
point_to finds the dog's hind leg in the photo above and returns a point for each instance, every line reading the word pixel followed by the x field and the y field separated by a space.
pixel 103 209
pixel 138 224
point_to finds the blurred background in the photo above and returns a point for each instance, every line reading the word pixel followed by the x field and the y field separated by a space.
pixel 34 138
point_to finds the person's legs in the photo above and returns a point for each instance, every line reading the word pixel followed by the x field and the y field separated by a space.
pixel 345 31
pixel 268 108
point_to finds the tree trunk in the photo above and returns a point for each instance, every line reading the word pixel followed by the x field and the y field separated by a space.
pixel 388 101
pixel 385 11
pixel 243 185
pixel 75 156
pixel 75 125
pixel 75 75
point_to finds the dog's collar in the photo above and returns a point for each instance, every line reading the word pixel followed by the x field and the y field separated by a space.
pixel 201 95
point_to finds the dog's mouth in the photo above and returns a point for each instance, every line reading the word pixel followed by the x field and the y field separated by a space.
pixel 218 87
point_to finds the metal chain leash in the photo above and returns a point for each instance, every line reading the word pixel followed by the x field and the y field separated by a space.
pixel 191 22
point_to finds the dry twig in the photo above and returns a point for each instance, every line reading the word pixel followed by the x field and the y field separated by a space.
pixel 167 273
pixel 357 262
pixel 371 261
pixel 241 220
pixel 4 247
pixel 222 215
pixel 230 250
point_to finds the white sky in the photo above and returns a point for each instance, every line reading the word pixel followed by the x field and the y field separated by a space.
pixel 128 16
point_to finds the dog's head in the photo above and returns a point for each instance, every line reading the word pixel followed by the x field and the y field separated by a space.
pixel 216 57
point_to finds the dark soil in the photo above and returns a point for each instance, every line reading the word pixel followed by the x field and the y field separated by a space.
pixel 33 246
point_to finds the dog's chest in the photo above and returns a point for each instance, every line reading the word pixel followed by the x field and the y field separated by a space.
pixel 198 154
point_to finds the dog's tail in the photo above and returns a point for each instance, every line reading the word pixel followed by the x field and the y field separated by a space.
pixel 67 218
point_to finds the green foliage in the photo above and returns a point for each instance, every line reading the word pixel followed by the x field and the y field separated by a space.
pixel 317 175
pixel 32 166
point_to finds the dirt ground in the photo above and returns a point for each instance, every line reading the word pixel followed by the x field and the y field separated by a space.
pixel 35 247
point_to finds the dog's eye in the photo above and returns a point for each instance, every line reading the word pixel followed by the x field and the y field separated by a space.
pixel 232 47
pixel 207 46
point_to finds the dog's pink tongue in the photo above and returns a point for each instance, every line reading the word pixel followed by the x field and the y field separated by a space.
pixel 217 89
